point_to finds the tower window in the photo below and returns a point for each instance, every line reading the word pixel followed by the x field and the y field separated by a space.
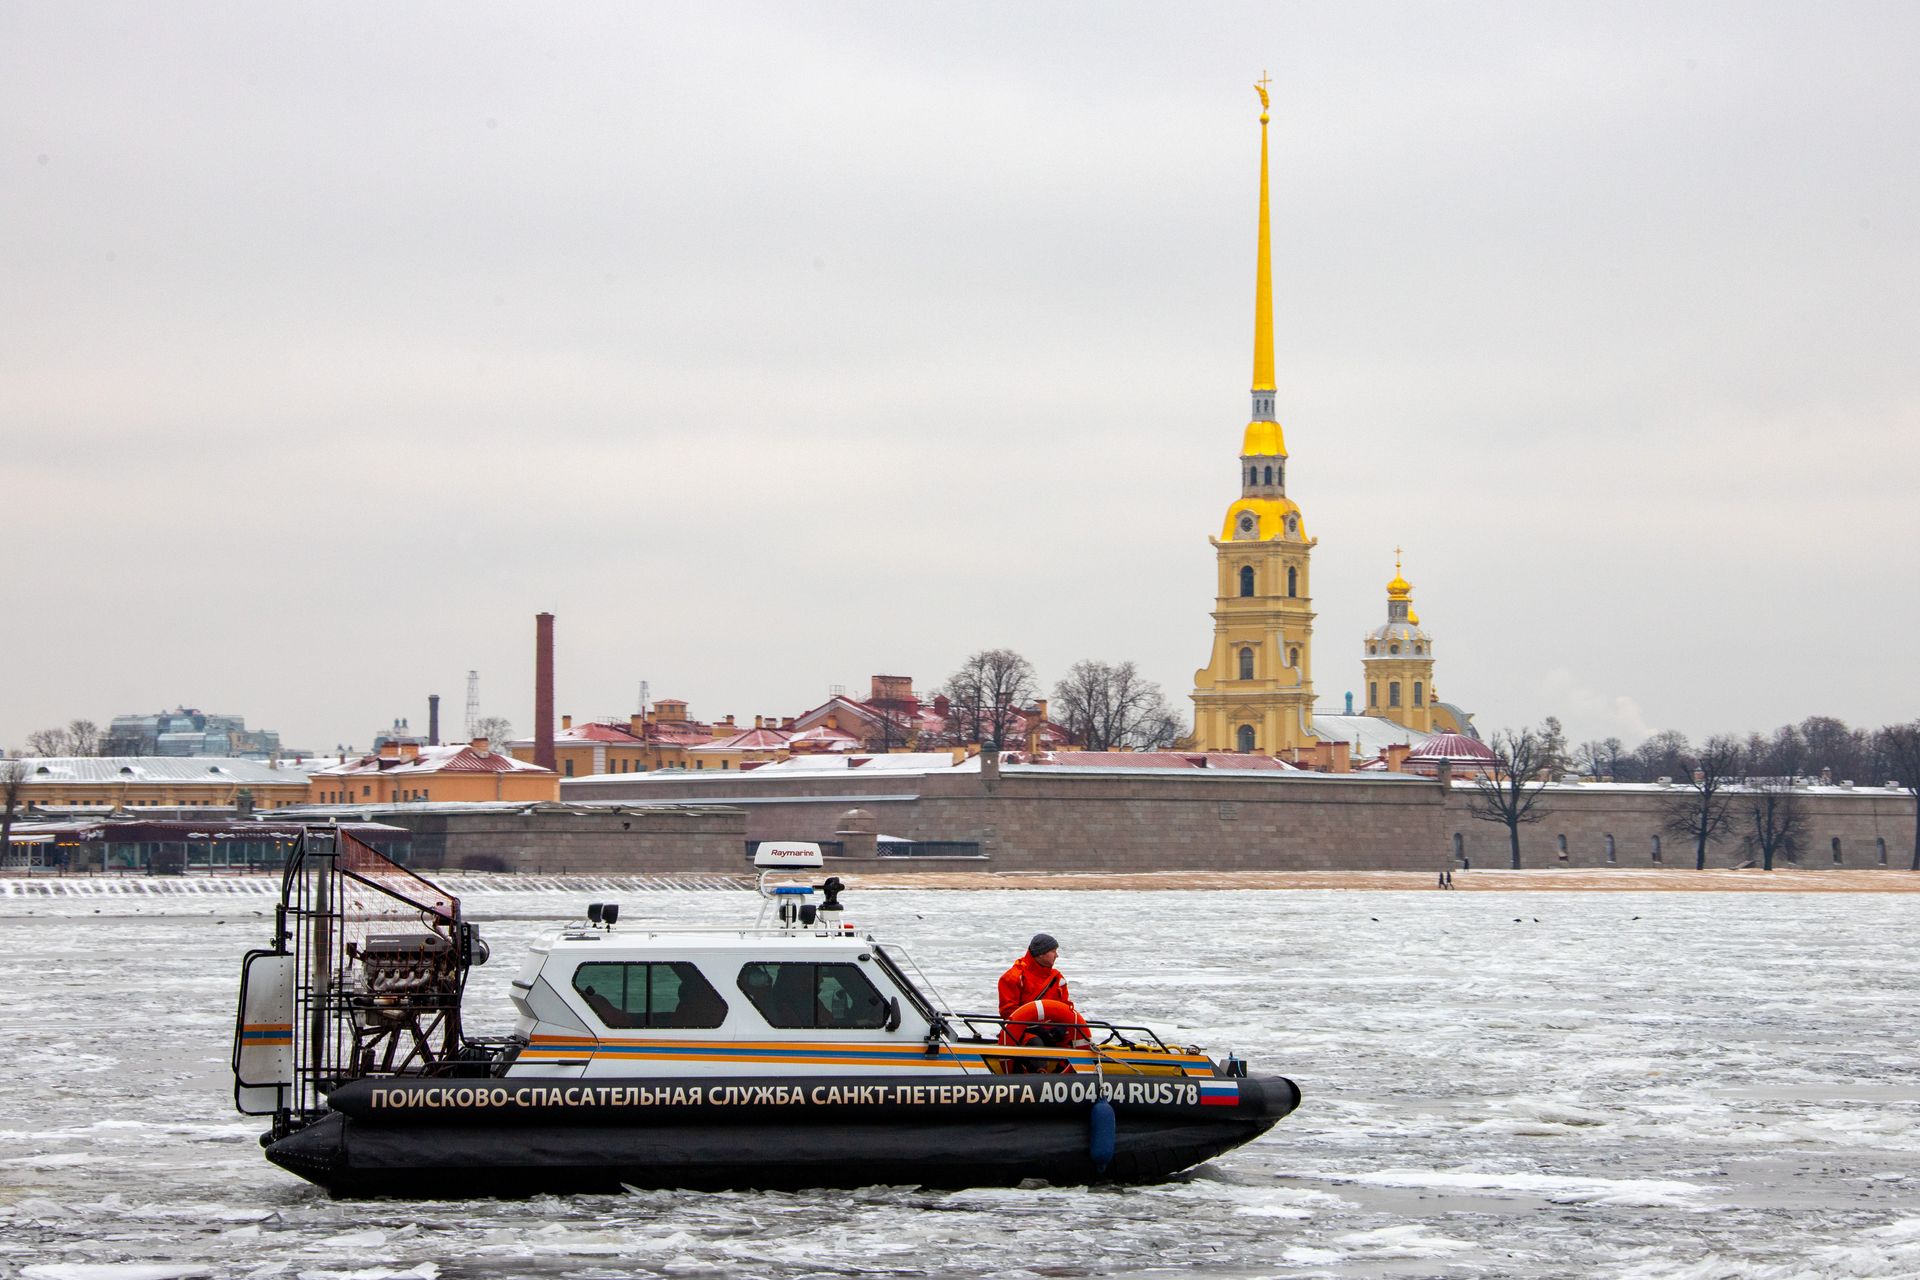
pixel 1280 473
pixel 1373 693
pixel 1253 475
pixel 1245 738
pixel 1393 648
pixel 1269 475
pixel 1293 656
pixel 1293 581
pixel 1419 693
pixel 1246 664
pixel 1393 693
pixel 1246 580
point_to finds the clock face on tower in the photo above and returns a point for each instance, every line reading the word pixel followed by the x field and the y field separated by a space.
pixel 1249 525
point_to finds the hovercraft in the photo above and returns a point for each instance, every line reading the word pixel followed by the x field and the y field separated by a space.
pixel 796 1054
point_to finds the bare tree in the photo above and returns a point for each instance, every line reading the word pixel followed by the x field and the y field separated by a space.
pixel 1660 756
pixel 497 730
pixel 1511 795
pixel 986 694
pixel 1835 749
pixel 1899 744
pixel 84 737
pixel 1106 707
pixel 1769 813
pixel 1599 758
pixel 1702 811
pixel 893 726
pixel 49 742
pixel 13 780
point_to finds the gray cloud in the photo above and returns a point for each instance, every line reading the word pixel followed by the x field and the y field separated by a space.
pixel 775 347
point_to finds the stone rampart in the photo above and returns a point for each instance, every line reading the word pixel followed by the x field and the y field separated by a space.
pixel 558 840
pixel 1052 818
pixel 1618 825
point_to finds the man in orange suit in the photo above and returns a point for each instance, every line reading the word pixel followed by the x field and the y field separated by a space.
pixel 1033 977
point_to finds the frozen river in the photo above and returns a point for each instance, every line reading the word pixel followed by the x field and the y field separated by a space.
pixel 1537 1084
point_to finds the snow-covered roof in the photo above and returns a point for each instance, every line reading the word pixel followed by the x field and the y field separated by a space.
pixel 1168 760
pixel 762 739
pixel 119 770
pixel 1370 735
pixel 896 762
pixel 460 758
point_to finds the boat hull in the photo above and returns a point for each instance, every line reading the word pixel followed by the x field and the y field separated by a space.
pixel 513 1137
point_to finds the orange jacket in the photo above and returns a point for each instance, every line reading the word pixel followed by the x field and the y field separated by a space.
pixel 1028 981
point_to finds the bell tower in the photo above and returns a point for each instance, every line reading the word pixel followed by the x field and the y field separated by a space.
pixel 1256 691
pixel 1399 661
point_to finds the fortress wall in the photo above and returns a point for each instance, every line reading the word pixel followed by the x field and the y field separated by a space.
pixel 559 842
pixel 1586 815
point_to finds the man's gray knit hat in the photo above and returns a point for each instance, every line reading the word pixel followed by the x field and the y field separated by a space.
pixel 1041 944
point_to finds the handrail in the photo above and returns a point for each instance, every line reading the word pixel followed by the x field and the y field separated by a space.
pixel 1114 1031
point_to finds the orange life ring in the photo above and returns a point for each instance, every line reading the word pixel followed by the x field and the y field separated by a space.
pixel 1048 1024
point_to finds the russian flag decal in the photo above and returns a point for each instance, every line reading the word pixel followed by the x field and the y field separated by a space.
pixel 1219 1093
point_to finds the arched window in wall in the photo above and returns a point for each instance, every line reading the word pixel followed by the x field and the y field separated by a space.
pixel 1393 693
pixel 1419 693
pixel 1245 738
pixel 1563 846
pixel 1836 850
pixel 1459 846
pixel 1610 856
pixel 1881 847
pixel 1253 475
pixel 1269 475
pixel 1373 693
pixel 1246 580
pixel 1293 656
pixel 1246 664
pixel 1656 848
pixel 1293 580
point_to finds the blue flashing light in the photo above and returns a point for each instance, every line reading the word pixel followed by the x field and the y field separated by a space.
pixel 794 890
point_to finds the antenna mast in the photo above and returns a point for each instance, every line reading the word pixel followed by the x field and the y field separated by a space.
pixel 473 704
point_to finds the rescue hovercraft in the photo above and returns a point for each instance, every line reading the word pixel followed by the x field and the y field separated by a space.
pixel 795 1054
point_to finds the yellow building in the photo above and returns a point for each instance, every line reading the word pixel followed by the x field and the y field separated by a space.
pixel 1399 662
pixel 1256 691
pixel 403 773
pixel 154 782
pixel 1399 669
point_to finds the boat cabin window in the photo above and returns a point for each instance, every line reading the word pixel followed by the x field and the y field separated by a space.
pixel 673 994
pixel 817 996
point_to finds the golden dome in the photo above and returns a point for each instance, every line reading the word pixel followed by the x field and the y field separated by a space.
pixel 1399 588
pixel 1270 520
pixel 1413 617
pixel 1263 440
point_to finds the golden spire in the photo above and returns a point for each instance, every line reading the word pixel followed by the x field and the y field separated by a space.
pixel 1263 280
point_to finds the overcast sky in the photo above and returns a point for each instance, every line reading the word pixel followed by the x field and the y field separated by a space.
pixel 774 346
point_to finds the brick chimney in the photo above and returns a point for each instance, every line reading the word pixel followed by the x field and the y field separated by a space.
pixel 433 719
pixel 543 691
